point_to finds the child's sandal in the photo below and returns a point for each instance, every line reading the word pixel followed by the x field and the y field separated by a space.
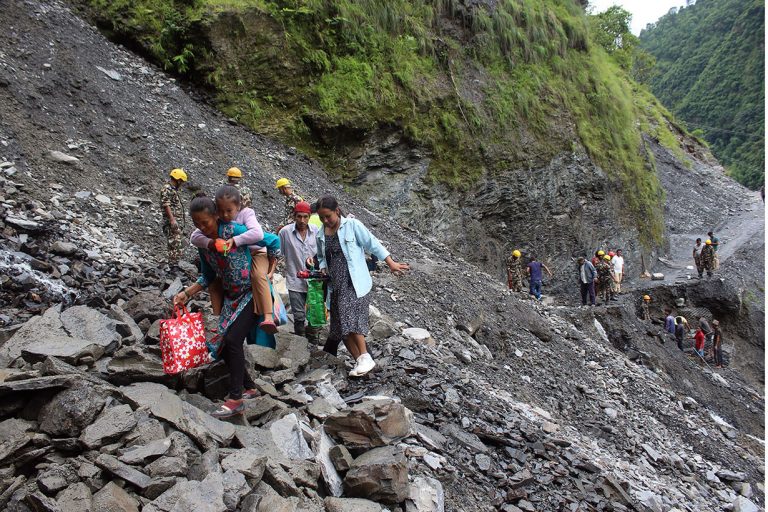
pixel 229 408
pixel 268 326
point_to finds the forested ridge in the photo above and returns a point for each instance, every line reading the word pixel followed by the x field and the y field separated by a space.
pixel 710 73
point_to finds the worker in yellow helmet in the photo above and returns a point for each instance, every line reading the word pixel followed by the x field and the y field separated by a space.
pixel 285 187
pixel 646 306
pixel 173 214
pixel 515 271
pixel 708 257
pixel 235 178
pixel 605 278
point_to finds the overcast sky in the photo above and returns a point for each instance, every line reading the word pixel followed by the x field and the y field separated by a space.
pixel 643 11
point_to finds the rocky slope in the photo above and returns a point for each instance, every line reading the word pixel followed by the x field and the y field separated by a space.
pixel 515 406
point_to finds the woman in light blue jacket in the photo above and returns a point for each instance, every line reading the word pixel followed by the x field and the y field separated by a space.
pixel 341 247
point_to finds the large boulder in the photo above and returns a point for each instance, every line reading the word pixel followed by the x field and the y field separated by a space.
pixel 147 305
pixel 71 410
pixel 425 495
pixel 46 324
pixel 112 498
pixel 351 505
pixel 90 324
pixel 15 434
pixel 165 405
pixel 380 474
pixel 110 426
pixel 136 363
pixel 287 435
pixel 371 423
pixel 205 496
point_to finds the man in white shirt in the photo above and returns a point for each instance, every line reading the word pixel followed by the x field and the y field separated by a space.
pixel 298 241
pixel 617 264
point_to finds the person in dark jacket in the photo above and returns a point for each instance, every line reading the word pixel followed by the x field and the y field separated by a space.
pixel 717 344
pixel 587 278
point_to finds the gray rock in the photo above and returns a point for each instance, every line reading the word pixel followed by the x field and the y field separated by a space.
pixel 425 495
pixel 101 198
pixel 731 476
pixel 292 347
pixel 120 470
pixel 14 435
pixel 135 363
pixel 147 429
pixel 328 466
pixel 35 328
pixel 264 358
pixel 55 478
pixel 266 499
pixel 110 426
pixel 371 423
pixel 206 464
pixel 68 349
pixel 117 313
pixel 92 325
pixel 248 462
pixel 380 474
pixel 467 439
pixel 158 486
pixel 650 500
pixel 112 498
pixel 235 488
pixel 321 409
pixel 63 248
pixel 204 496
pixel 83 194
pixel 743 504
pixel 173 289
pixel 138 455
pixel 351 505
pixel 483 461
pixel 41 503
pixel 146 305
pixel 75 498
pixel 165 405
pixel 280 480
pixel 71 410
pixel 381 330
pixel 166 466
pixel 288 437
pixel 58 156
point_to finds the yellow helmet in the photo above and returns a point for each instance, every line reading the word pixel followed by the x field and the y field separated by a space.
pixel 607 258
pixel 282 182
pixel 234 172
pixel 646 297
pixel 708 242
pixel 516 253
pixel 178 174
pixel 601 253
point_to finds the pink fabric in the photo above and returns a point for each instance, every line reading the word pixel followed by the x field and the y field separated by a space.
pixel 246 217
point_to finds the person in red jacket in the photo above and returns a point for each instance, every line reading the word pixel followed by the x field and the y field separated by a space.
pixel 698 344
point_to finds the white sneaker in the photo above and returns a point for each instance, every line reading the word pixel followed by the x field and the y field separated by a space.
pixel 364 365
pixel 354 371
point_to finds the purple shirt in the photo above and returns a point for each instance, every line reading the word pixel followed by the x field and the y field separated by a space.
pixel 535 267
pixel 669 324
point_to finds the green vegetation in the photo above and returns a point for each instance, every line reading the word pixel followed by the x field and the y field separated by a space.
pixel 483 90
pixel 710 60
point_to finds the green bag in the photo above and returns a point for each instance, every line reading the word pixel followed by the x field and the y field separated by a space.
pixel 315 303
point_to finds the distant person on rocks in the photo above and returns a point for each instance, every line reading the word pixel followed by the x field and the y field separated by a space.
pixel 708 257
pixel 298 241
pixel 237 319
pixel 698 342
pixel 715 247
pixel 646 307
pixel 596 259
pixel 679 333
pixel 617 262
pixel 515 271
pixel 536 276
pixel 697 257
pixel 669 321
pixel 173 214
pixel 285 187
pixel 235 178
pixel 587 278
pixel 717 344
pixel 264 248
pixel 605 279
pixel 341 247
pixel 704 326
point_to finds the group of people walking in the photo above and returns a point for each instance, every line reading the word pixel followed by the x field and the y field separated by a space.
pixel 705 255
pixel 601 276
pixel 706 334
pixel 534 271
pixel 238 259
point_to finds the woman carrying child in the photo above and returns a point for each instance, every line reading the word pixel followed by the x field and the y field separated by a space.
pixel 228 206
pixel 237 319
pixel 341 246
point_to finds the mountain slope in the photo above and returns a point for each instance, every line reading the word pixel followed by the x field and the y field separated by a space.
pixel 710 58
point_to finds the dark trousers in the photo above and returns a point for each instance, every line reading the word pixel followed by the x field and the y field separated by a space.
pixel 234 353
pixel 535 288
pixel 718 348
pixel 298 308
pixel 588 290
pixel 679 342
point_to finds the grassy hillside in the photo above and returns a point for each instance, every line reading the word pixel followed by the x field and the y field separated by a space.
pixel 482 90
pixel 711 73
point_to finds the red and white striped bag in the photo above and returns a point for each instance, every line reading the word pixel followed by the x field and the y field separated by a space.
pixel 182 341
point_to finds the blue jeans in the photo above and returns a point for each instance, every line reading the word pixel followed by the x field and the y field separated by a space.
pixel 535 289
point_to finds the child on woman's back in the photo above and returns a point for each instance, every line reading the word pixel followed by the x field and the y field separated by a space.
pixel 228 206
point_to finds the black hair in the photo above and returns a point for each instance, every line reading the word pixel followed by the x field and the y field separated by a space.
pixel 202 203
pixel 228 193
pixel 710 233
pixel 313 207
pixel 329 202
pixel 698 239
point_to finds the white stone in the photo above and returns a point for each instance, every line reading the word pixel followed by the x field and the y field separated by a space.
pixel 417 334
pixel 742 504
pixel 425 495
pixel 58 156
